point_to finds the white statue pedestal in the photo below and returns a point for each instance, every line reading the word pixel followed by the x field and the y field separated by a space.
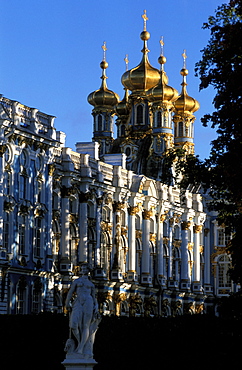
pixel 75 361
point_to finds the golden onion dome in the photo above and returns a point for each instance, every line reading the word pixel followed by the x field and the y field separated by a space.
pixel 162 92
pixel 144 76
pixel 103 97
pixel 185 103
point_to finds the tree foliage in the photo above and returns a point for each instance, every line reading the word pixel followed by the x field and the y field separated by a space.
pixel 221 68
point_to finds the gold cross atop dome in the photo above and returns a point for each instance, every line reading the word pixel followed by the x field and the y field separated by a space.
pixel 145 18
pixel 184 55
pixel 104 47
pixel 126 61
pixel 161 45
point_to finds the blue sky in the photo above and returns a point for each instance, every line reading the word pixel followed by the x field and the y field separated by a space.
pixel 50 51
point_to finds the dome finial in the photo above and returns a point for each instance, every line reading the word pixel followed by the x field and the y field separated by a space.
pixel 184 55
pixel 161 45
pixel 126 62
pixel 145 18
pixel 104 47
pixel 162 59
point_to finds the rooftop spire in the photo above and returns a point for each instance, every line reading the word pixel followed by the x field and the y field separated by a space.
pixel 104 66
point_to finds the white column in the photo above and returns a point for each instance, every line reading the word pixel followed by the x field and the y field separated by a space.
pixel 131 238
pixel 132 275
pixel 160 250
pixel 196 253
pixel 169 272
pixel 83 225
pixel 185 283
pixel 207 259
pixel 116 273
pixel 98 232
pixel 146 278
pixel 49 207
pixel 65 229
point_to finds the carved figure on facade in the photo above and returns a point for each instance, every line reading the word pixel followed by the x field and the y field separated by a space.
pixel 84 315
pixel 150 305
pixel 135 301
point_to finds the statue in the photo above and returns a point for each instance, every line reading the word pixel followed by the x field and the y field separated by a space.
pixel 84 316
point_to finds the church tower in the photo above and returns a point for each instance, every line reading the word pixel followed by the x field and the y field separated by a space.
pixel 184 118
pixel 104 102
pixel 162 97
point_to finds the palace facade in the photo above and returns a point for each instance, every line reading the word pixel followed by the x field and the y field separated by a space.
pixel 152 249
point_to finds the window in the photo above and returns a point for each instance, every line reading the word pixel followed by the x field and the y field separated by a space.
pixel 7 182
pixel 39 191
pixel 223 238
pixel 72 245
pixel 176 265
pixel 224 265
pixel 122 130
pixel 106 214
pixel 180 129
pixel 139 115
pixel 104 251
pixel 99 122
pixel 37 248
pixel 22 186
pixel 6 230
pixel 36 299
pixel 22 296
pixel 159 119
pixel 21 234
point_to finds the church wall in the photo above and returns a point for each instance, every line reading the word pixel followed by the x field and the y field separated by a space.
pixel 151 251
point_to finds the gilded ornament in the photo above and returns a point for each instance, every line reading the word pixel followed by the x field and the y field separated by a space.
pixel 3 149
pixel 133 210
pixel 138 234
pixel 197 228
pixel 185 225
pixel 152 237
pixel 51 169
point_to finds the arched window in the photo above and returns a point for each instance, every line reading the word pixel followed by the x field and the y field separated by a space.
pixel 56 237
pixel 21 234
pixel 176 233
pixel 180 129
pixel 224 264
pixel 165 260
pixel 137 222
pixel 122 130
pixel 122 218
pixel 139 114
pixel 91 236
pixel 158 119
pixel 175 264
pixel 138 257
pixel 6 230
pixel 38 232
pixel 21 298
pixel 36 296
pixel 99 123
pixel 72 244
pixel 7 182
pixel 106 214
pixel 22 186
pixel 104 251
pixel 165 230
